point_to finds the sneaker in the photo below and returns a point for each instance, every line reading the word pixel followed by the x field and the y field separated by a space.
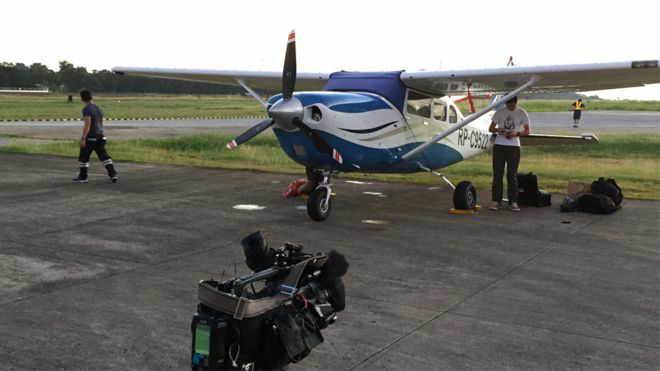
pixel 494 206
pixel 114 179
pixel 514 206
pixel 79 180
pixel 575 126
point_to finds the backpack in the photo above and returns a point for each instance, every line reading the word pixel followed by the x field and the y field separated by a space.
pixel 529 193
pixel 608 188
pixel 528 183
pixel 596 203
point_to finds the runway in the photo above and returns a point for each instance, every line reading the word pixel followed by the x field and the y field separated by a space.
pixel 599 122
pixel 104 276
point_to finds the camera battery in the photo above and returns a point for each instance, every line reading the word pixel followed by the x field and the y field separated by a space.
pixel 210 337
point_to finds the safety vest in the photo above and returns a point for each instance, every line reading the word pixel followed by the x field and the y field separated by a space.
pixel 578 105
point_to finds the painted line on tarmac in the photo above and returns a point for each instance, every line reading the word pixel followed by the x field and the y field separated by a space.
pixel 142 118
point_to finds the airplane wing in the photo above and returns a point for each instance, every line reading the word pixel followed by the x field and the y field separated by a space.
pixel 546 139
pixel 254 79
pixel 569 78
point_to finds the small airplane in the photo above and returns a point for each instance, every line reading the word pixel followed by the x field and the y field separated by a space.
pixel 397 121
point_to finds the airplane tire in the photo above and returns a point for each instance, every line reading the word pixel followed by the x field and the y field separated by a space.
pixel 465 196
pixel 317 208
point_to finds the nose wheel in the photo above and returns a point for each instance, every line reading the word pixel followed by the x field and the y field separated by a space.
pixel 319 203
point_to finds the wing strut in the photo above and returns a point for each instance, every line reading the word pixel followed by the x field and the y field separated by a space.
pixel 469 119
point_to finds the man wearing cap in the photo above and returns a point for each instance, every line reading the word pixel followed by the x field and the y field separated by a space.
pixel 578 106
pixel 509 124
pixel 93 139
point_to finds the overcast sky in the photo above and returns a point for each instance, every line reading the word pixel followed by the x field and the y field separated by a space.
pixel 331 35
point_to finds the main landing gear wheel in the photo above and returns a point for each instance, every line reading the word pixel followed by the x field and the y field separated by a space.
pixel 319 204
pixel 465 196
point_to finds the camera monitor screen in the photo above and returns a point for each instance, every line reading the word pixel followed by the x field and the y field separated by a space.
pixel 202 338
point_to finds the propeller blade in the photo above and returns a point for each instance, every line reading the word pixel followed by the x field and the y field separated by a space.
pixel 249 90
pixel 320 144
pixel 250 133
pixel 289 73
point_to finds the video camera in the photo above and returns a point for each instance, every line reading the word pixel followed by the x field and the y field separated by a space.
pixel 242 327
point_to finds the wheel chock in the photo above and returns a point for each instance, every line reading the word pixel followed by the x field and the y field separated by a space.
pixel 466 212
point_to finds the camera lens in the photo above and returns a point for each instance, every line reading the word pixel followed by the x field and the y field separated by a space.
pixel 257 254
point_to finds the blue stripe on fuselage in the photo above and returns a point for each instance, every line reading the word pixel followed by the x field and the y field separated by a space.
pixel 369 160
pixel 340 101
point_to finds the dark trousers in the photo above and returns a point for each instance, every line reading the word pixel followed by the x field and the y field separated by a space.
pixel 95 145
pixel 509 156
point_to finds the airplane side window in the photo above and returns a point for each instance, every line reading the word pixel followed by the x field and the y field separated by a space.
pixel 453 116
pixel 439 111
pixel 418 104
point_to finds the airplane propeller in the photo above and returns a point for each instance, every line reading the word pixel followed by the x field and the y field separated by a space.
pixel 250 133
pixel 289 73
pixel 288 110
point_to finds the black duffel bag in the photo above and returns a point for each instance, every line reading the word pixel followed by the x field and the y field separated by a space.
pixel 596 203
pixel 608 188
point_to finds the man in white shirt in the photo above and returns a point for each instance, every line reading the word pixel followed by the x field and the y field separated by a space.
pixel 509 124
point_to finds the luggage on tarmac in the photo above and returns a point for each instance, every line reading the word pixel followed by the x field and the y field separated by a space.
pixel 605 197
pixel 538 199
pixel 529 193
pixel 596 203
pixel 608 188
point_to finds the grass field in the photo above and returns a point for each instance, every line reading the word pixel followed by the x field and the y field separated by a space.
pixel 15 107
pixel 56 106
pixel 633 160
pixel 562 105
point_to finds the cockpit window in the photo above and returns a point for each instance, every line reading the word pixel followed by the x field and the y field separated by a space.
pixel 440 110
pixel 453 116
pixel 418 104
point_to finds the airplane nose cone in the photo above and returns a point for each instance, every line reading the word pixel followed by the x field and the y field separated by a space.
pixel 285 111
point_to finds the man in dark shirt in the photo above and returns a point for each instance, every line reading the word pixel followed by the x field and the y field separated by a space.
pixel 93 139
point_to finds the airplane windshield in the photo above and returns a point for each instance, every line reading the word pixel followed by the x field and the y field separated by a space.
pixel 418 104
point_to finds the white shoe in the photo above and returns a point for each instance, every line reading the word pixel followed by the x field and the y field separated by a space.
pixel 514 207
pixel 494 206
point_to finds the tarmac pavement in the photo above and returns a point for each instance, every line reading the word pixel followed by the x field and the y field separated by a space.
pixel 103 276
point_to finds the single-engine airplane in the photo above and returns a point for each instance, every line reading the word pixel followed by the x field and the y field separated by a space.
pixel 397 121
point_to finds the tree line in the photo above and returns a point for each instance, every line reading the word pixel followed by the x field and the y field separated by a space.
pixel 71 79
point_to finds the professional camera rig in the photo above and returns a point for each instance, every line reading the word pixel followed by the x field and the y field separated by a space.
pixel 240 327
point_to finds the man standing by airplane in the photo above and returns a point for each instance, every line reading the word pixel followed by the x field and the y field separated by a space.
pixel 93 139
pixel 509 124
pixel 578 106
